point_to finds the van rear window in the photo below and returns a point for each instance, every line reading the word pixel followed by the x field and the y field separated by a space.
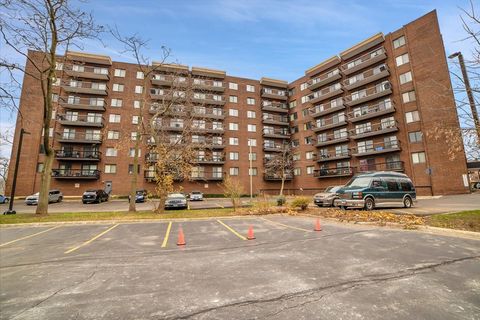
pixel 406 186
pixel 392 185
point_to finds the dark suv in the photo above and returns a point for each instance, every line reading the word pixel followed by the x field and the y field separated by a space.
pixel 94 196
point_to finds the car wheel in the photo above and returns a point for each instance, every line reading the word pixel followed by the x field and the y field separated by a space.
pixel 369 204
pixel 60 199
pixel 407 202
pixel 6 200
pixel 84 202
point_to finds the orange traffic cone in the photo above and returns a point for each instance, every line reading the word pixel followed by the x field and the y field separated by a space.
pixel 318 227
pixel 250 235
pixel 181 238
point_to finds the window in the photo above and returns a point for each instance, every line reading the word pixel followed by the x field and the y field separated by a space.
pixel 233 171
pixel 130 168
pixel 233 126
pixel 303 86
pixel 233 86
pixel 397 43
pixel 233 112
pixel 401 60
pixel 40 165
pixel 294 129
pixel 118 87
pixel 252 156
pixel 251 128
pixel 297 171
pixel 111 152
pixel 405 77
pixel 138 89
pixel 113 135
pixel 308 140
pixel 233 141
pixel 305 112
pixel 119 73
pixel 136 104
pixel 140 75
pixel 116 103
pixel 252 171
pixel 54 97
pixel 293 116
pixel 310 170
pixel 135 119
pixel 250 88
pixel 292 104
pixel 233 99
pixel 412 116
pixel 408 96
pixel 418 157
pixel 114 118
pixel 233 155
pixel 416 136
pixel 58 66
pixel 309 155
pixel 134 136
pixel 131 152
pixel 250 101
pixel 252 142
pixel 295 143
pixel 251 114
pixel 110 168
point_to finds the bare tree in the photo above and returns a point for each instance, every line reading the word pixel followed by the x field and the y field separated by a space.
pixel 47 27
pixel 232 189
pixel 280 166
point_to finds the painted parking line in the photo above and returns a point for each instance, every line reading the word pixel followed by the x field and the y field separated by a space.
pixel 286 226
pixel 91 240
pixel 232 231
pixel 219 205
pixel 26 237
pixel 167 234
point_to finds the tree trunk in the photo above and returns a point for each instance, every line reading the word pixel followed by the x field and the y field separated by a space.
pixel 133 182
pixel 161 204
pixel 42 207
pixel 283 184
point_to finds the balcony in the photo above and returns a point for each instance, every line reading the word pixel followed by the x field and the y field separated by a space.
pixel 273 119
pixel 364 61
pixel 324 79
pixel 374 130
pixel 370 93
pixel 276 177
pixel 212 99
pixel 77 155
pixel 168 95
pixel 333 156
pixel 325 93
pixel 83 104
pixel 273 147
pixel 387 166
pixel 97 88
pixel 217 130
pixel 167 110
pixel 169 81
pixel 149 175
pixel 80 137
pixel 274 106
pixel 81 120
pixel 329 123
pixel 376 148
pixel 73 174
pixel 208 85
pixel 151 157
pixel 208 144
pixel 207 176
pixel 332 173
pixel 210 160
pixel 87 72
pixel 332 139
pixel 371 111
pixel 279 134
pixel 208 113
pixel 274 94
pixel 366 77
pixel 327 108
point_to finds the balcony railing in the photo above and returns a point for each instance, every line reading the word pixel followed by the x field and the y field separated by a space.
pixel 169 80
pixel 169 95
pixel 208 85
pixel 213 99
pixel 80 137
pixel 387 166
pixel 274 106
pixel 332 156
pixel 84 174
pixel 274 94
pixel 96 120
pixel 329 123
pixel 207 175
pixel 87 72
pixel 273 147
pixel 366 77
pixel 274 119
pixel 208 113
pixel 370 93
pixel 98 88
pixel 276 177
pixel 325 93
pixel 77 155
pixel 327 108
pixel 332 139
pixel 324 79
pixel 334 172
pixel 272 133
pixel 376 148
pixel 210 160
pixel 371 111
pixel 364 61
pixel 83 104
pixel 374 129
pixel 149 175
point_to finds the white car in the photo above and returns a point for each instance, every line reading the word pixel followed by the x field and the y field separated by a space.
pixel 196 196
pixel 53 196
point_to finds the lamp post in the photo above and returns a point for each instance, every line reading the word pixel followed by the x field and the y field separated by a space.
pixel 15 173
pixel 251 173
pixel 471 100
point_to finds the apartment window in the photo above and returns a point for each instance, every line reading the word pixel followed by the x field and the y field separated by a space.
pixel 308 140
pixel 397 43
pixel 408 96
pixel 131 152
pixel 233 141
pixel 296 156
pixel 418 157
pixel 140 75
pixel 119 73
pixel 251 114
pixel 416 136
pixel 118 87
pixel 412 116
pixel 310 170
pixel 303 86
pixel 233 155
pixel 54 97
pixel 135 119
pixel 252 142
pixel 401 60
pixel 110 168
pixel 405 77
pixel 252 171
pixel 309 155
pixel 250 88
pixel 294 129
pixel 305 112
pixel 364 146
pixel 292 104
pixel 138 89
pixel 58 66
pixel 293 116
pixel 252 156
pixel 136 104
pixel 233 112
pixel 251 128
pixel 111 152
pixel 233 86
pixel 57 82
pixel 233 171
pixel 295 143
pixel 233 99
pixel 114 118
pixel 113 135
pixel 134 136
pixel 40 167
pixel 297 171
pixel 250 101
pixel 130 169
pixel 233 126
pixel 116 103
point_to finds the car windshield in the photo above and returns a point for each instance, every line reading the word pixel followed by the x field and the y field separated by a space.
pixel 36 194
pixel 334 189
pixel 360 182
pixel 176 195
pixel 140 192
pixel 196 192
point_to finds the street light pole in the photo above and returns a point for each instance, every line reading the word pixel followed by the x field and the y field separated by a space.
pixel 251 173
pixel 471 100
pixel 15 173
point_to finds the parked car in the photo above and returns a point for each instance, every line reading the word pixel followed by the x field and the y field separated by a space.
pixel 327 197
pixel 370 190
pixel 4 199
pixel 140 196
pixel 94 196
pixel 176 200
pixel 53 196
pixel 196 196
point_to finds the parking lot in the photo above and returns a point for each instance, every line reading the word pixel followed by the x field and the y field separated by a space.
pixel 137 271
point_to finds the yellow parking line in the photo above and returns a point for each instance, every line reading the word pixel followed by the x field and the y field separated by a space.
pixel 91 240
pixel 286 226
pixel 165 240
pixel 32 235
pixel 219 205
pixel 233 231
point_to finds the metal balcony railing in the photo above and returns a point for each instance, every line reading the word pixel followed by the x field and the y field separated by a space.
pixel 334 172
pixel 83 155
pixel 75 173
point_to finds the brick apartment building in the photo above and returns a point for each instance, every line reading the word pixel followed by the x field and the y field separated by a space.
pixel 367 108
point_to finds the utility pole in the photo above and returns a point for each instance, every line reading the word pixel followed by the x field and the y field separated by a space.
pixel 250 156
pixel 471 100
pixel 15 173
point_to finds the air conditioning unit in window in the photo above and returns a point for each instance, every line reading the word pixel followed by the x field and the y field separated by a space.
pixel 383 68
pixel 386 86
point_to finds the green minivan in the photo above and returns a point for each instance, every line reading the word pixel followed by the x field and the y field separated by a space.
pixel 375 189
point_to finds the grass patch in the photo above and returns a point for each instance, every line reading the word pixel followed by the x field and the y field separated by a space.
pixel 464 220
pixel 115 215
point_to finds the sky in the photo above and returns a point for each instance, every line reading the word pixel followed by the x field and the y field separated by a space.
pixel 254 38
